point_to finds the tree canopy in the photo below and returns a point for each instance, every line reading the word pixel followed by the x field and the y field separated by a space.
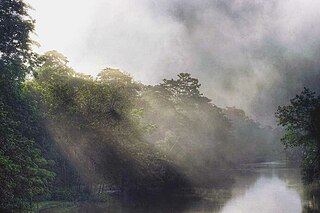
pixel 23 171
pixel 301 120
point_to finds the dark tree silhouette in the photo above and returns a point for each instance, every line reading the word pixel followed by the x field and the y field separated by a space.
pixel 301 120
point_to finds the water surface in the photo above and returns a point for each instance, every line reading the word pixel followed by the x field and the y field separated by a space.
pixel 263 188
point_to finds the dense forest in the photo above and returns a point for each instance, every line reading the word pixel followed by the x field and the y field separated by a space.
pixel 65 135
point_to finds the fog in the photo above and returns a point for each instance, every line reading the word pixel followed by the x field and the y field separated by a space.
pixel 159 106
pixel 254 55
pixel 271 193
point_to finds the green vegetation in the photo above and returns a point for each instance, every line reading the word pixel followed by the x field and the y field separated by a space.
pixel 24 172
pixel 205 141
pixel 301 120
pixel 96 125
pixel 69 136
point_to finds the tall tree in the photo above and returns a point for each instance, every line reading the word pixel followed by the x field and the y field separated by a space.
pixel 184 86
pixel 22 168
pixel 301 120
pixel 184 90
pixel 15 42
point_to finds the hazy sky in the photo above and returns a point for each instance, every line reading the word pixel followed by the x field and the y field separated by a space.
pixel 252 54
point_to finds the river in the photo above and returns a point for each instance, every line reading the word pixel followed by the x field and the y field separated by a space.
pixel 257 188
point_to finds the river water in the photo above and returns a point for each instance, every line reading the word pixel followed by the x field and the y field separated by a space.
pixel 257 188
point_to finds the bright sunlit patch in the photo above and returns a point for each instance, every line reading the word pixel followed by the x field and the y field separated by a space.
pixel 267 195
pixel 63 26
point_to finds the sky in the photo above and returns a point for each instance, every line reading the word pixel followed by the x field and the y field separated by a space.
pixel 251 54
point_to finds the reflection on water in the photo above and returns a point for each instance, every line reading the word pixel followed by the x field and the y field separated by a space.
pixel 266 195
pixel 261 188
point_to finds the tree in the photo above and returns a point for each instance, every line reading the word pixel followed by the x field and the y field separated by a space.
pixel 120 80
pixel 191 131
pixel 184 91
pixel 252 141
pixel 15 42
pixel 115 77
pixel 184 86
pixel 96 124
pixel 23 172
pixel 301 120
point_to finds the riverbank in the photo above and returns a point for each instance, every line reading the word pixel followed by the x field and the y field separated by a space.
pixel 268 187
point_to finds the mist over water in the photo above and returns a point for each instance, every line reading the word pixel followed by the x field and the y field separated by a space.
pixel 263 188
pixel 266 195
pixel 159 106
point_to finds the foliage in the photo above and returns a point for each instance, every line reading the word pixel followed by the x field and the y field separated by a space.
pixel 189 128
pixel 113 132
pixel 252 142
pixel 185 89
pixel 97 125
pixel 202 139
pixel 301 120
pixel 16 55
pixel 23 170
